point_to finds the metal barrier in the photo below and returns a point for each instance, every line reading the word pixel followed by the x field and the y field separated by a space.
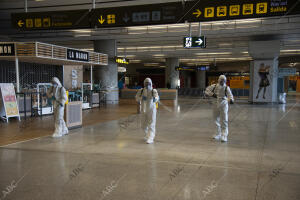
pixel 195 92
pixel 240 92
pixel 97 97
pixel 25 104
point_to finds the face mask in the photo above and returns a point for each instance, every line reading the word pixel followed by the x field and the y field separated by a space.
pixel 54 85
pixel 148 87
pixel 222 83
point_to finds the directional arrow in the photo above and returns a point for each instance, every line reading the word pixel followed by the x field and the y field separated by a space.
pixel 199 41
pixel 101 20
pixel 126 18
pixel 20 23
pixel 198 13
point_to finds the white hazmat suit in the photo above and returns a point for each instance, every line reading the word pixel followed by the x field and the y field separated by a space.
pixel 220 111
pixel 59 95
pixel 147 97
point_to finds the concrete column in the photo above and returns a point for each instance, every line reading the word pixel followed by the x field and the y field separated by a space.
pixel 187 79
pixel 172 76
pixel 108 75
pixel 201 79
pixel 91 77
pixel 17 74
pixel 264 70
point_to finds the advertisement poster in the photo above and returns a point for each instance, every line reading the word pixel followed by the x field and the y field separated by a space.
pixel 262 81
pixel 9 106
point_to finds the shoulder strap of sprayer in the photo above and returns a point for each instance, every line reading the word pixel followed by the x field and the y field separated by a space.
pixel 143 91
pixel 213 91
pixel 225 90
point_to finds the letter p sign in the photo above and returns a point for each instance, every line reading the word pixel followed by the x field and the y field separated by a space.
pixel 209 12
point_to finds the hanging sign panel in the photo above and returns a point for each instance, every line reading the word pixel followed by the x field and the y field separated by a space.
pixel 122 60
pixel 154 14
pixel 51 20
pixel 213 10
pixel 192 68
pixel 287 72
pixel 9 107
pixel 193 42
pixel 151 14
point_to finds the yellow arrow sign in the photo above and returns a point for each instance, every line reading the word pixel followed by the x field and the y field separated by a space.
pixel 20 23
pixel 197 13
pixel 101 20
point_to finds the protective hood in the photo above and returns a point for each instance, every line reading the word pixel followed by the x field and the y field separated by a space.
pixel 148 80
pixel 56 80
pixel 222 77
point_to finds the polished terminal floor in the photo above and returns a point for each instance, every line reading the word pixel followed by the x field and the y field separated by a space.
pixel 110 160
pixel 36 127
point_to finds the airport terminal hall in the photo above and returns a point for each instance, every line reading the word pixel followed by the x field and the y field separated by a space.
pixel 149 99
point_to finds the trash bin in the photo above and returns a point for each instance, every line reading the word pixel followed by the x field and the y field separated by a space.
pixel 282 98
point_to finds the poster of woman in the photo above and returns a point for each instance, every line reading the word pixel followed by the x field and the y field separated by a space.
pixel 263 72
pixel 264 82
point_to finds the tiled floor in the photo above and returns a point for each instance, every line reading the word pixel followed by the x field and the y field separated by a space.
pixel 110 160
pixel 39 127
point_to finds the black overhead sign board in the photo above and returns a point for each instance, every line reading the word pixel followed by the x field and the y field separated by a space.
pixel 192 68
pixel 212 10
pixel 152 14
pixel 51 20
pixel 73 54
pixel 7 49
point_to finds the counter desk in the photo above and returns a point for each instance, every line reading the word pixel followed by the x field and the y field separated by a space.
pixel 167 96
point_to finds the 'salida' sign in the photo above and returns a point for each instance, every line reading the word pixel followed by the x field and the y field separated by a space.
pixel 73 54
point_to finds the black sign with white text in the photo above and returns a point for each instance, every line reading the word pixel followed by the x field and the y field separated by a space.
pixel 192 42
pixel 7 49
pixel 77 55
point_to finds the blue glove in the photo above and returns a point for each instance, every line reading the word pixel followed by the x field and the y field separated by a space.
pixel 144 98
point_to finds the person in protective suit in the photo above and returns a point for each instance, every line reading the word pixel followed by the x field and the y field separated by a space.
pixel 220 111
pixel 59 96
pixel 148 97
